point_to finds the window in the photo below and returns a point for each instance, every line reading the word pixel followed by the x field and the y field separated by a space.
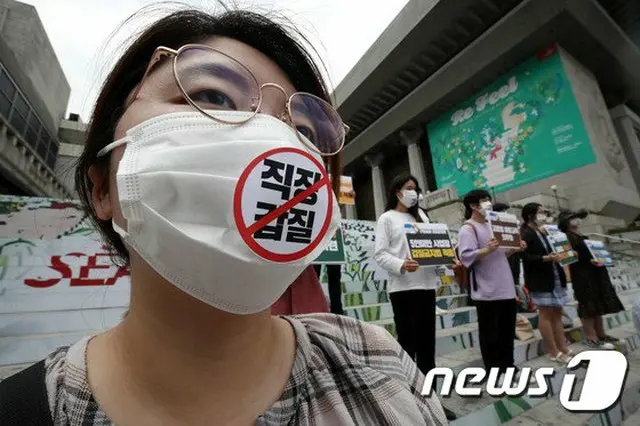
pixel 33 129
pixel 18 122
pixel 5 105
pixel 43 147
pixel 6 85
pixel 21 106
pixel 53 155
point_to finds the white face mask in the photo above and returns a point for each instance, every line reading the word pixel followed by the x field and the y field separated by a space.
pixel 191 188
pixel 576 222
pixel 409 198
pixel 485 206
pixel 541 218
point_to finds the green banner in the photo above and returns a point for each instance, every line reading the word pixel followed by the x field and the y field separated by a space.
pixel 524 127
pixel 334 253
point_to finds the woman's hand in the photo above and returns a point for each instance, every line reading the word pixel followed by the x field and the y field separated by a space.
pixel 597 263
pixel 553 257
pixel 492 246
pixel 410 265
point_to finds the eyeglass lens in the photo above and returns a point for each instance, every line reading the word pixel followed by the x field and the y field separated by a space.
pixel 214 81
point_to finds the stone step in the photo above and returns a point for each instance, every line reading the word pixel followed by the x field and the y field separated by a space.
pixel 633 419
pixel 551 412
pixel 525 350
pixel 382 313
pixel 488 411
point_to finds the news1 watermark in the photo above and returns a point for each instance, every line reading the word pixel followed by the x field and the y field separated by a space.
pixel 602 386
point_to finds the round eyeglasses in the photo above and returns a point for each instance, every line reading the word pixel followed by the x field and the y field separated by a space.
pixel 212 81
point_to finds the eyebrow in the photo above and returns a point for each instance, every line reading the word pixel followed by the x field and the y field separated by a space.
pixel 217 69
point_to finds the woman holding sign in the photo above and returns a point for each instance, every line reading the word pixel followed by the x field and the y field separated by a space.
pixel 592 286
pixel 412 289
pixel 546 281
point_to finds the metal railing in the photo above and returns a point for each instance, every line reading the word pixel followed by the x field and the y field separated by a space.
pixel 611 237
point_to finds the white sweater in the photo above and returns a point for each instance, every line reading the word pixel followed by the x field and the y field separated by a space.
pixel 392 249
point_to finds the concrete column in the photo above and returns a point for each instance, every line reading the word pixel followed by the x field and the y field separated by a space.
pixel 377 178
pixel 416 165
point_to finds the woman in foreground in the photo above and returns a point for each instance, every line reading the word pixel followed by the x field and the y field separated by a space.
pixel 206 124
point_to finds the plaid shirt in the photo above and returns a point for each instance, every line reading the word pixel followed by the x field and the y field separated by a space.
pixel 346 372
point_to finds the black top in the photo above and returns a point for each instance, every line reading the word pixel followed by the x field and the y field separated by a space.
pixel 538 275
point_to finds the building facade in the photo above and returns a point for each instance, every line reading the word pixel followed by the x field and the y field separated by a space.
pixel 451 91
pixel 34 94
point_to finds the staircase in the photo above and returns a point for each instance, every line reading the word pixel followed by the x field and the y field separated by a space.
pixel 457 346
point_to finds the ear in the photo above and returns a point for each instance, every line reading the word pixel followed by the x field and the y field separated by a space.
pixel 99 177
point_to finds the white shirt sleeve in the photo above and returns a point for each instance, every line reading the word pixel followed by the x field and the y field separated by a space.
pixel 382 256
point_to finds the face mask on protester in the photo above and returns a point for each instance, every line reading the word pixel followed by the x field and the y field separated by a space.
pixel 541 218
pixel 408 198
pixel 192 192
pixel 485 206
pixel 576 222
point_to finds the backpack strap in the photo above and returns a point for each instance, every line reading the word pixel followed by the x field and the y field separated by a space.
pixel 23 398
pixel 472 273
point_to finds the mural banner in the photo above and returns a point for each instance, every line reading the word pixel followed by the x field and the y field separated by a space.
pixel 524 127
pixel 52 258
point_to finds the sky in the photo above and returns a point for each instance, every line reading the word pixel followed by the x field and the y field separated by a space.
pixel 84 37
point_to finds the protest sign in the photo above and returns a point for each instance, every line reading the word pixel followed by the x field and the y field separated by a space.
pixel 347 195
pixel 599 252
pixel 561 245
pixel 334 253
pixel 429 243
pixel 505 228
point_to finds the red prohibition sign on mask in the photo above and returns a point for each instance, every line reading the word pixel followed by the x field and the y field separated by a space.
pixel 282 204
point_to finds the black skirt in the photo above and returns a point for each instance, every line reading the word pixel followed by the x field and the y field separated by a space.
pixel 594 292
pixel 592 286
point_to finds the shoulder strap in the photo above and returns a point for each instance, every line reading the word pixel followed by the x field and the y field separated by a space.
pixel 472 272
pixel 424 216
pixel 23 398
pixel 475 230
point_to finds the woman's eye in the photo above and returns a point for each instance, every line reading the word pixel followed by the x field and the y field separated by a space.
pixel 213 97
pixel 306 132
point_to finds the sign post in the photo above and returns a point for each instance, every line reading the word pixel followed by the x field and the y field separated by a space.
pixel 430 244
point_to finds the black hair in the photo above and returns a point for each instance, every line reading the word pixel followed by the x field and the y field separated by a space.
pixel 396 185
pixel 500 207
pixel 473 197
pixel 284 46
pixel 529 212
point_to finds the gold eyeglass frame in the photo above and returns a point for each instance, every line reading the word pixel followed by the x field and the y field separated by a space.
pixel 162 52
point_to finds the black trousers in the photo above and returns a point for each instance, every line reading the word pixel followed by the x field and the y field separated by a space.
pixel 497 330
pixel 414 312
pixel 334 276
